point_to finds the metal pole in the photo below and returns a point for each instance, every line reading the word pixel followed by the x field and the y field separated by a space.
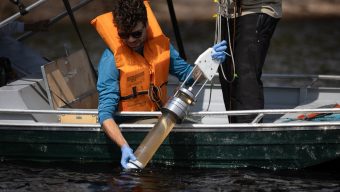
pixel 55 19
pixel 157 113
pixel 176 29
pixel 302 76
pixel 17 15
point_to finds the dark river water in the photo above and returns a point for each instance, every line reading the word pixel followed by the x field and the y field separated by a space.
pixel 48 177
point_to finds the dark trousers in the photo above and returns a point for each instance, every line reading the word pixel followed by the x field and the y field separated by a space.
pixel 6 72
pixel 251 42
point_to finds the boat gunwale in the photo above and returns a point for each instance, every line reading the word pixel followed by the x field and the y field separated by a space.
pixel 186 127
pixel 158 113
pixel 232 127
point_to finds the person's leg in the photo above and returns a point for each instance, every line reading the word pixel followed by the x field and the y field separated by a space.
pixel 252 39
pixel 3 80
pixel 226 73
pixel 6 72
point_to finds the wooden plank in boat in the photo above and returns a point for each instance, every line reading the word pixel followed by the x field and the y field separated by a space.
pixel 70 82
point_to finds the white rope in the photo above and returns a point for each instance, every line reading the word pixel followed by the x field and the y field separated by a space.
pixel 223 12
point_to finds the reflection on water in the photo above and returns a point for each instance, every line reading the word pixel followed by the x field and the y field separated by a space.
pixel 45 177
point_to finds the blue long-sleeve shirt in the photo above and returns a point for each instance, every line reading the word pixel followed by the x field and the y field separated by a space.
pixel 108 81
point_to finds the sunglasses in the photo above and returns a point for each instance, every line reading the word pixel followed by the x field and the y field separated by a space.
pixel 135 34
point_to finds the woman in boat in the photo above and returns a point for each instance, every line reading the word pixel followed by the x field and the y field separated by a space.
pixel 133 72
pixel 252 25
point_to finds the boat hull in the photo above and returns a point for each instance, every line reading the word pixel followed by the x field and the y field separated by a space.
pixel 270 148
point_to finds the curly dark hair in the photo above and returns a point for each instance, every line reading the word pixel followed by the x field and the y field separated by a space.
pixel 127 13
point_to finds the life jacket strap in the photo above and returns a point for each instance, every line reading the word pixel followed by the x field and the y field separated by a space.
pixel 134 94
pixel 154 94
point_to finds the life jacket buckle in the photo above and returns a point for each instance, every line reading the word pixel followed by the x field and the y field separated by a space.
pixel 155 94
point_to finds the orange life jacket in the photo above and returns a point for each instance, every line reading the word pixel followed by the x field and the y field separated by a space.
pixel 139 75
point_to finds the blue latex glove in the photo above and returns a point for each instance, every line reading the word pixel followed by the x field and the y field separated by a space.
pixel 219 51
pixel 127 154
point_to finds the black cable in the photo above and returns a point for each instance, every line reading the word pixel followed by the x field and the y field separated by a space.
pixel 176 29
pixel 70 13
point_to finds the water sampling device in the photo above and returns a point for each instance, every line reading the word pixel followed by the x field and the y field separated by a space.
pixel 175 109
